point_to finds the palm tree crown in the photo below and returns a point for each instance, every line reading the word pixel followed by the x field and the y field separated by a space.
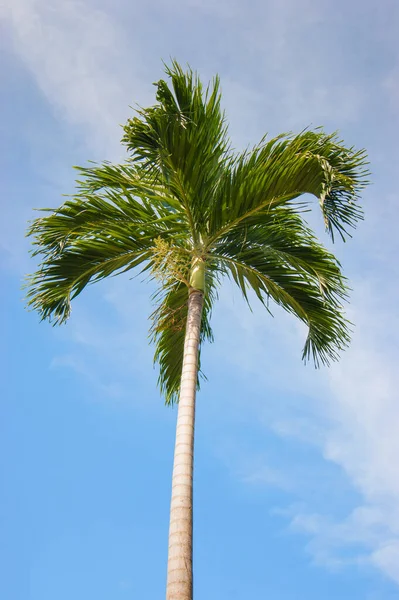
pixel 190 210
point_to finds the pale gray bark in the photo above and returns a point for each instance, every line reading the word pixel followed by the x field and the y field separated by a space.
pixel 180 555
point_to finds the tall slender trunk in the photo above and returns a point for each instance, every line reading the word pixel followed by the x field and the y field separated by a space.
pixel 180 556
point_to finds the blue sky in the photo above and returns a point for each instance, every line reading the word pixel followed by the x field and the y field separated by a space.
pixel 296 487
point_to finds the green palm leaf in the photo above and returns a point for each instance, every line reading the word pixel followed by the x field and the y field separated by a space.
pixel 168 331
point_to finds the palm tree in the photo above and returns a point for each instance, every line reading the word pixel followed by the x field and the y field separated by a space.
pixel 189 210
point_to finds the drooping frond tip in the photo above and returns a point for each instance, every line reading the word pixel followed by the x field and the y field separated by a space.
pixel 284 170
pixel 335 174
pixel 345 175
pixel 280 260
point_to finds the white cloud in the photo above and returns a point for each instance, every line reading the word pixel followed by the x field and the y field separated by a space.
pixel 349 414
pixel 363 436
pixel 387 559
pixel 78 55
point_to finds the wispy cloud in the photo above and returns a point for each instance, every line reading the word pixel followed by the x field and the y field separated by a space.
pixel 78 56
pixel 349 414
pixel 78 364
pixel 367 537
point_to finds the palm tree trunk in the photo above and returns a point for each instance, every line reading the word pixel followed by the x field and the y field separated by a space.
pixel 180 556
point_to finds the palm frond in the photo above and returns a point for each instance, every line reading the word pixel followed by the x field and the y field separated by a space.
pixel 89 237
pixel 182 141
pixel 282 261
pixel 281 170
pixel 168 331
